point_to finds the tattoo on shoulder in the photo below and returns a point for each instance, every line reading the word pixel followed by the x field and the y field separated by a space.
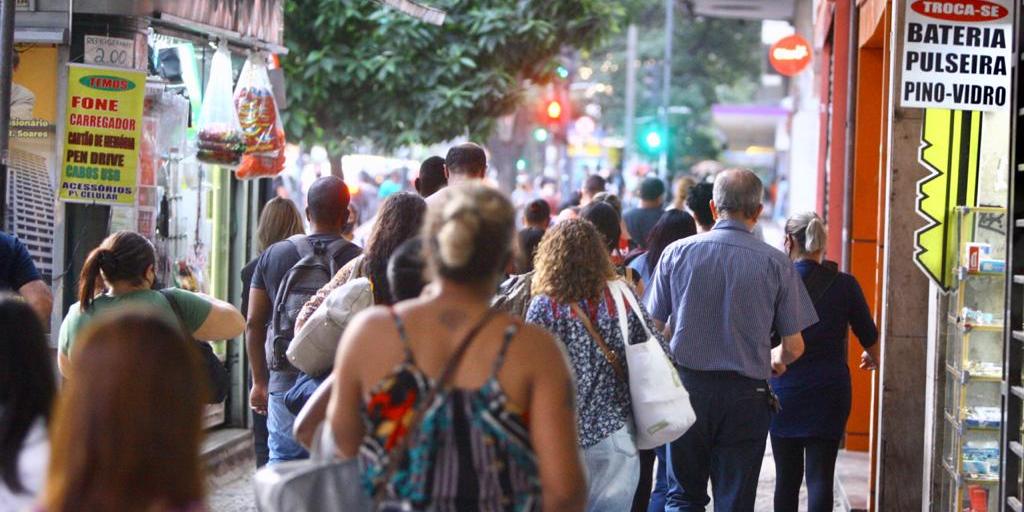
pixel 452 318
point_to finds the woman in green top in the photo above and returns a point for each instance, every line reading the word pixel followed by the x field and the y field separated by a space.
pixel 126 263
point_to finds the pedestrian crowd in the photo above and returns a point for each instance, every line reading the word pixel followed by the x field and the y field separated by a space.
pixel 456 362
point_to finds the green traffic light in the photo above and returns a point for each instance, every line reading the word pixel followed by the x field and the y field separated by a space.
pixel 652 140
pixel 520 165
pixel 540 135
pixel 563 72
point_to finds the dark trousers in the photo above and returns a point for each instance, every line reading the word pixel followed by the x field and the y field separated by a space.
pixel 643 488
pixel 661 481
pixel 726 444
pixel 790 454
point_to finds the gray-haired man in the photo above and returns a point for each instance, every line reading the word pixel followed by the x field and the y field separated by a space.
pixel 726 291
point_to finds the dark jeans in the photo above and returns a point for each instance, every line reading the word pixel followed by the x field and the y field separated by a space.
pixel 726 444
pixel 643 488
pixel 259 439
pixel 790 453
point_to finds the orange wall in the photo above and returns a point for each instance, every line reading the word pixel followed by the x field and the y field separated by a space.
pixel 865 229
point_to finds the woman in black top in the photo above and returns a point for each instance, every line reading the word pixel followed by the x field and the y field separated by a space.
pixel 815 391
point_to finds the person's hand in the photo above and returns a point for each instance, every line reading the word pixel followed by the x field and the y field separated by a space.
pixel 867 362
pixel 258 399
pixel 778 368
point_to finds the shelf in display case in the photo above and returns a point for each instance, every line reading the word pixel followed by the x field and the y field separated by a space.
pixel 969 478
pixel 970 326
pixel 967 375
pixel 964 273
pixel 962 426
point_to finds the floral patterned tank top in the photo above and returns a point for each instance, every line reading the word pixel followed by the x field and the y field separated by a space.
pixel 471 452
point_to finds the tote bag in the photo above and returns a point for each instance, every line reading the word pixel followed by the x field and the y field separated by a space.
pixel 661 405
pixel 320 484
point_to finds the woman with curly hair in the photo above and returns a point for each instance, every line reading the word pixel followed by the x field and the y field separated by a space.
pixel 572 299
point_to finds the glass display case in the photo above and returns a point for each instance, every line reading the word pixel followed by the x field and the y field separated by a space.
pixel 974 361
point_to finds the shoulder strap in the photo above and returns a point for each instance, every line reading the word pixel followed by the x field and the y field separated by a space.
pixel 397 457
pixel 605 349
pixel 510 332
pixel 402 335
pixel 820 279
pixel 177 311
pixel 303 245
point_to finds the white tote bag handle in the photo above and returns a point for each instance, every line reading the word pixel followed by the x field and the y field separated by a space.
pixel 620 290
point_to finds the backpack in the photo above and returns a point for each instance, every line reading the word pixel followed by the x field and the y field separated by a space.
pixel 314 269
pixel 514 295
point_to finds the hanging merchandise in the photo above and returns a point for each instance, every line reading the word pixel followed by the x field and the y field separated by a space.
pixel 257 113
pixel 220 136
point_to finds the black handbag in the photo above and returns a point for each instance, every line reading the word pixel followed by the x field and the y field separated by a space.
pixel 219 381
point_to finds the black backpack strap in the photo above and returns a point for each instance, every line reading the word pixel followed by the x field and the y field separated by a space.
pixel 219 379
pixel 341 247
pixel 303 245
pixel 820 279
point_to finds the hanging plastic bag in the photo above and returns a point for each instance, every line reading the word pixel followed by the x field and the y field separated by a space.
pixel 220 136
pixel 261 125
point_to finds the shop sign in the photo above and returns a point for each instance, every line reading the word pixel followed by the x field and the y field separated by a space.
pixel 957 54
pixel 103 128
pixel 950 150
pixel 790 55
pixel 109 51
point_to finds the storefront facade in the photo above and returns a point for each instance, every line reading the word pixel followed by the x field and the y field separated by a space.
pixel 200 217
pixel 925 208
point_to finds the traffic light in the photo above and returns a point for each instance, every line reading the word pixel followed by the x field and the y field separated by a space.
pixel 540 135
pixel 554 111
pixel 521 164
pixel 653 139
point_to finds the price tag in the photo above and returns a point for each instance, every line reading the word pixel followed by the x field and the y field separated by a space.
pixel 110 51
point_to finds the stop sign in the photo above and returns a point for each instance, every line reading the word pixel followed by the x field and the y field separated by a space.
pixel 790 55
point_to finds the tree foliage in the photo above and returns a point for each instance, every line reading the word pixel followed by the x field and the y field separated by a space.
pixel 713 59
pixel 360 71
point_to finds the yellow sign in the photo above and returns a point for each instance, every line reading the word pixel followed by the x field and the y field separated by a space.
pixel 103 129
pixel 950 142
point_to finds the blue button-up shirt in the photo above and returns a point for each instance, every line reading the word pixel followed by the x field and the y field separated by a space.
pixel 725 291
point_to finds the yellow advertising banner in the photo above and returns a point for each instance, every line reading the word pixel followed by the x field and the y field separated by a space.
pixel 950 150
pixel 103 130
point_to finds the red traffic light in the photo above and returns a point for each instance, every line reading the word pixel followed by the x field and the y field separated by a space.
pixel 554 110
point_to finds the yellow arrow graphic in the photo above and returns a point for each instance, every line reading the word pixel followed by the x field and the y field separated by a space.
pixel 950 142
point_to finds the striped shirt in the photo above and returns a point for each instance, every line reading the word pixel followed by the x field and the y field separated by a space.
pixel 726 291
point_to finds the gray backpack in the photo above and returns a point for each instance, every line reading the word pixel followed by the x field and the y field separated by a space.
pixel 316 266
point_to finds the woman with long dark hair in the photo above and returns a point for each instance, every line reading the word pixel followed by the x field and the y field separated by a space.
pixel 27 389
pixel 672 226
pixel 126 264
pixel 126 439
pixel 399 219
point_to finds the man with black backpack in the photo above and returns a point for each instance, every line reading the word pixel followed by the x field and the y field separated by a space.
pixel 287 274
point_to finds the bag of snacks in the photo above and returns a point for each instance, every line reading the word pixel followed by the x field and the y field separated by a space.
pixel 220 136
pixel 261 125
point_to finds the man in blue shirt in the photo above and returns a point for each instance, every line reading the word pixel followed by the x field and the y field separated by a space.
pixel 18 273
pixel 725 292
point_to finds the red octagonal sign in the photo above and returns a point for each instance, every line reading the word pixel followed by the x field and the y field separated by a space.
pixel 790 55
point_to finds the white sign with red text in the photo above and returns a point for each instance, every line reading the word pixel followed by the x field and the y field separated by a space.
pixel 957 54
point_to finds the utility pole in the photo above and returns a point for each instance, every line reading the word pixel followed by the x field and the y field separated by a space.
pixel 627 148
pixel 666 85
pixel 6 74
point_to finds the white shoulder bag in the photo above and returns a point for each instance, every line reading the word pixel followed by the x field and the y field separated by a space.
pixel 661 405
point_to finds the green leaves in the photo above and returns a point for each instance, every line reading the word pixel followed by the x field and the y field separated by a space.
pixel 359 71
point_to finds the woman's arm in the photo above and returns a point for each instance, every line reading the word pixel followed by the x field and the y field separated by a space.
pixel 343 408
pixel 222 323
pixel 552 411
pixel 863 325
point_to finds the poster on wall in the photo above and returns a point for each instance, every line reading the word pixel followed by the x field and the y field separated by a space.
pixel 103 129
pixel 957 54
pixel 32 166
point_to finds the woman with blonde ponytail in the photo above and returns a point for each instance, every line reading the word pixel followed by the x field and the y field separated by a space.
pixel 815 391
pixel 443 378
